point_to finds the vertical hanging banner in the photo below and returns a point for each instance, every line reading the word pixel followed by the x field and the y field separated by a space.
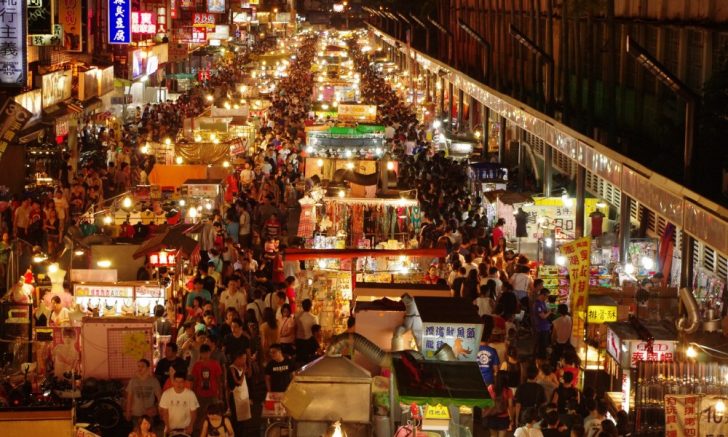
pixel 119 21
pixel 12 44
pixel 578 258
pixel 12 119
pixel 40 17
pixel 681 415
pixel 69 16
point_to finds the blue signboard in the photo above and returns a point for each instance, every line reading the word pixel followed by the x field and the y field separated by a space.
pixel 119 21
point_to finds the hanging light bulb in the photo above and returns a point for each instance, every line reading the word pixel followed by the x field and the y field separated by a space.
pixel 126 203
pixel 320 163
pixel 691 352
pixel 342 193
pixel 390 165
pixel 192 213
pixel 107 220
pixel 226 164
pixel 629 268
pixel 182 202
pixel 178 160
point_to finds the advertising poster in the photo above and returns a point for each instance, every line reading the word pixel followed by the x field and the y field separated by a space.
pixel 206 21
pixel 216 6
pixel 53 39
pixel 681 415
pixel 40 17
pixel 69 16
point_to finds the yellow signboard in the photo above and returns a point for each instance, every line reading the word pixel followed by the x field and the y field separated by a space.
pixel 437 412
pixel 578 257
pixel 360 113
pixel 597 314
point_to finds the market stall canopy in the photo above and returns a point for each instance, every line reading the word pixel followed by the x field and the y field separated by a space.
pixel 309 254
pixel 507 197
pixel 441 382
pixel 172 238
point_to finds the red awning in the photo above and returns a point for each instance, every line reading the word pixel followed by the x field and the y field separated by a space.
pixel 308 254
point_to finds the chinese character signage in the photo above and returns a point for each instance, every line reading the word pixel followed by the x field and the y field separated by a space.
pixel 681 415
pixel 464 339
pixel 54 39
pixel 203 20
pixel 173 8
pixel 87 290
pixel 199 35
pixel 660 351
pixel 40 17
pixel 69 16
pixel 578 258
pixel 143 22
pixel 119 21
pixel 33 102
pixel 598 314
pixel 216 6
pixel 12 119
pixel 12 43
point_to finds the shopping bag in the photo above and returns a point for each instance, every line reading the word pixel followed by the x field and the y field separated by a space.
pixel 241 396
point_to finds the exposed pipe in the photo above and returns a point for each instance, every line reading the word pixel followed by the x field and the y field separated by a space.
pixel 374 353
pixel 689 322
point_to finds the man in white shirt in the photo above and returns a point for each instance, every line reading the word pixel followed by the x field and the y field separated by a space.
pixel 494 275
pixel 178 406
pixel 233 297
pixel 61 205
pixel 305 321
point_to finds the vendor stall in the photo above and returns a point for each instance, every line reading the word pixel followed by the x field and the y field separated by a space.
pixel 629 344
pixel 346 142
pixel 119 298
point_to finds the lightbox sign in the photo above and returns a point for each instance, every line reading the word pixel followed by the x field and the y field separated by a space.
pixel 143 22
pixel 119 21
pixel 660 351
pixel 463 339
pixel 12 44
pixel 203 20
pixel 40 17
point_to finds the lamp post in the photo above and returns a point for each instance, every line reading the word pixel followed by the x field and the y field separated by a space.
pixel 480 40
pixel 661 73
pixel 545 57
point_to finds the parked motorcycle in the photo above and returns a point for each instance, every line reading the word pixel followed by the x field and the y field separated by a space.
pixel 97 403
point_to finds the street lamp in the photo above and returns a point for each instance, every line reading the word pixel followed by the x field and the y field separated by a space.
pixel 678 87
pixel 545 57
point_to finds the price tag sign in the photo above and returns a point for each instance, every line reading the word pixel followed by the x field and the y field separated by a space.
pixel 437 412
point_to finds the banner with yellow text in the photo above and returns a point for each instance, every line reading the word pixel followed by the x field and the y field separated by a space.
pixel 578 259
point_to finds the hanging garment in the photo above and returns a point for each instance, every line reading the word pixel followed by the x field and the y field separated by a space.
pixel 307 220
pixel 357 223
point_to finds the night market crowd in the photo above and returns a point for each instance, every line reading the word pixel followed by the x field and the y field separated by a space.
pixel 238 329
pixel 535 391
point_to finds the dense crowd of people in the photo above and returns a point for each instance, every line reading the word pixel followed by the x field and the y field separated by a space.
pixel 535 396
pixel 238 329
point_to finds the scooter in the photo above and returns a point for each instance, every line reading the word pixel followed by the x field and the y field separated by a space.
pixel 98 403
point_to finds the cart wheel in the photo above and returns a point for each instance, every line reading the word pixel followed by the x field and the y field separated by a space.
pixel 107 414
